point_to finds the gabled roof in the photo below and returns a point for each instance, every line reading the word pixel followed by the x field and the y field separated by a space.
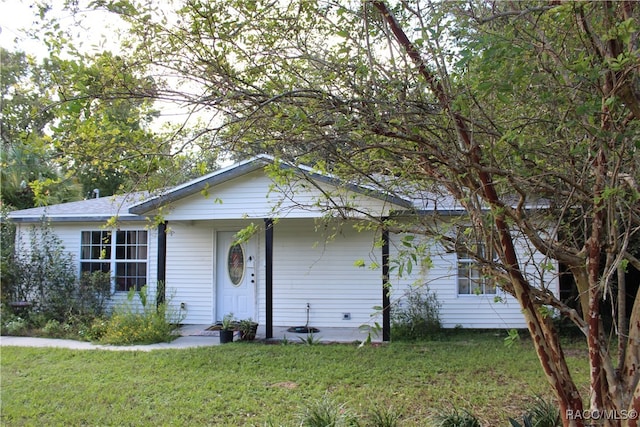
pixel 134 206
pixel 245 167
pixel 197 185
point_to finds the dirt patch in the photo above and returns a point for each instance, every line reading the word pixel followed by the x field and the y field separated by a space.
pixel 289 385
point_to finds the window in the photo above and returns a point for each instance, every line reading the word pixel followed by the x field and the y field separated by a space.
pixel 235 264
pixel 95 251
pixel 471 280
pixel 125 257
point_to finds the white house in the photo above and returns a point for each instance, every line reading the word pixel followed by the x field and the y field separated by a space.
pixel 295 266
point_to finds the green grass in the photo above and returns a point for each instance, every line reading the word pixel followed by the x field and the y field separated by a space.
pixel 258 384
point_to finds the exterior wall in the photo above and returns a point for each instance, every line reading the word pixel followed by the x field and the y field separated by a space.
pixel 315 265
pixel 191 268
pixel 306 269
pixel 254 196
pixel 468 311
pixel 70 235
pixel 311 268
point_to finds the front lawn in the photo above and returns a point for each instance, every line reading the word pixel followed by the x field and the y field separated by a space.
pixel 259 384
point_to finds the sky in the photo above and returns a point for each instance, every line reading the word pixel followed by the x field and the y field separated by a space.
pixel 14 16
pixel 94 32
pixel 17 16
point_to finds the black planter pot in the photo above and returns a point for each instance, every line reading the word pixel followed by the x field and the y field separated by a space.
pixel 226 336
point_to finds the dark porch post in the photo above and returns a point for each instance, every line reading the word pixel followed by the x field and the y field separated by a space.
pixel 268 242
pixel 386 301
pixel 162 263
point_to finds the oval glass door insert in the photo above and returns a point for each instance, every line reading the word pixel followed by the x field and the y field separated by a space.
pixel 235 264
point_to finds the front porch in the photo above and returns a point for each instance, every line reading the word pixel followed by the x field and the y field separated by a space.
pixel 281 333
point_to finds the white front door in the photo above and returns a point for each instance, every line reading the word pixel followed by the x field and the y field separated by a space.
pixel 235 277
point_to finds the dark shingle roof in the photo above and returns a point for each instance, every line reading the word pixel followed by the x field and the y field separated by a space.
pixel 100 209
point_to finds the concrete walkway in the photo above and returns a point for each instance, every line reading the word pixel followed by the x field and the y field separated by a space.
pixel 181 342
pixel 191 336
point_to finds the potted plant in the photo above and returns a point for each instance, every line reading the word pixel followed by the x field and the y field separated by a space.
pixel 227 329
pixel 248 329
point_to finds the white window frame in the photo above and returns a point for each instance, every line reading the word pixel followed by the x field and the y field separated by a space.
pixel 470 275
pixel 117 254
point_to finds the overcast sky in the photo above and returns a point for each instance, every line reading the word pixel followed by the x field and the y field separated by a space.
pixel 17 16
pixel 14 16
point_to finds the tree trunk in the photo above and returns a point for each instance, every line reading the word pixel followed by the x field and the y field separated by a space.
pixel 623 327
pixel 544 337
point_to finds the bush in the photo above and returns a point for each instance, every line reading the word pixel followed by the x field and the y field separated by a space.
pixel 135 322
pixel 53 329
pixel 95 330
pixel 7 255
pixel 417 317
pixel 326 412
pixel 14 325
pixel 93 293
pixel 43 275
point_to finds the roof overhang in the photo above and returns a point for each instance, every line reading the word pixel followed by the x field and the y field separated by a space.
pixel 248 166
pixel 71 218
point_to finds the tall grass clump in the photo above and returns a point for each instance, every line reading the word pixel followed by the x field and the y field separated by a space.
pixel 135 321
pixel 543 413
pixel 326 412
pixel 456 418
pixel 417 316
pixel 384 417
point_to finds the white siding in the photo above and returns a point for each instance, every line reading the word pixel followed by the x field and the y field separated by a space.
pixel 254 196
pixel 189 269
pixel 467 311
pixel 308 269
pixel 70 235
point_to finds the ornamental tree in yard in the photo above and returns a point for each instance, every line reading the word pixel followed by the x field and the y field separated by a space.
pixel 527 114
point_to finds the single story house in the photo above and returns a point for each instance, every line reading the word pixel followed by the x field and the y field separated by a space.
pixel 295 265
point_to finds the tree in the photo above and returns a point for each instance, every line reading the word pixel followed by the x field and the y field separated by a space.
pixel 29 176
pixel 527 114
pixel 74 125
pixel 102 131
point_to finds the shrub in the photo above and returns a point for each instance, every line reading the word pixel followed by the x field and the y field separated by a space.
pixel 43 275
pixel 15 326
pixel 136 322
pixel 545 413
pixel 417 317
pixel 95 330
pixel 7 256
pixel 94 291
pixel 53 329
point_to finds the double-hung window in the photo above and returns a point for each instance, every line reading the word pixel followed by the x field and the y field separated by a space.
pixel 123 253
pixel 471 279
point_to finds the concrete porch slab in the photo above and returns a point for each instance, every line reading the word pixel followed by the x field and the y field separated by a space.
pixel 280 333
